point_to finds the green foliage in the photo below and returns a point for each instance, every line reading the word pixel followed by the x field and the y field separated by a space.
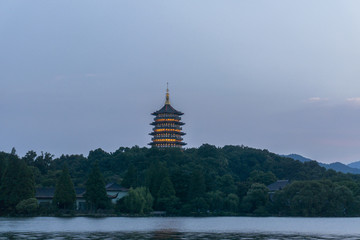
pixel 226 184
pixel 232 203
pixel 198 205
pixel 256 199
pixel 138 201
pixel 131 177
pixel 64 197
pixel 43 162
pixel 154 177
pixel 96 196
pixel 215 201
pixel 206 180
pixel 166 199
pixel 27 206
pixel 315 198
pixel 197 186
pixel 79 168
pixel 166 189
pixel 3 164
pixel 257 176
pixel 17 184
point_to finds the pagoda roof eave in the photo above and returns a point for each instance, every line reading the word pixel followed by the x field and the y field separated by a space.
pixel 170 132
pixel 176 123
pixel 167 108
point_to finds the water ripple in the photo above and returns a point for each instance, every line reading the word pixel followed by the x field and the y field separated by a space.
pixel 163 236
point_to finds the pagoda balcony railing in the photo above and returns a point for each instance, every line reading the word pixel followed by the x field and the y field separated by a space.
pixel 166 121
pixel 164 137
pixel 166 142
pixel 167 127
pixel 168 116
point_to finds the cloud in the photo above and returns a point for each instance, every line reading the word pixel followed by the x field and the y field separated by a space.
pixel 355 100
pixel 317 99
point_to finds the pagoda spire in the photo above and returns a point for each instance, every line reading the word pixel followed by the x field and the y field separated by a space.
pixel 167 101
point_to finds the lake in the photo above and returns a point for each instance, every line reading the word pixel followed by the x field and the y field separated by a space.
pixel 249 228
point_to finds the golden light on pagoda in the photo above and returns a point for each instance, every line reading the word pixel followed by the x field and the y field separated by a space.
pixel 167 131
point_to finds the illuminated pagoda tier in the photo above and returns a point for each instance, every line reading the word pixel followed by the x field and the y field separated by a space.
pixel 167 127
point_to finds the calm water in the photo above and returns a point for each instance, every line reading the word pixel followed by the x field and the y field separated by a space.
pixel 180 228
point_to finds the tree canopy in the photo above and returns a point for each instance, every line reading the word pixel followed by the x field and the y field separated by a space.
pixel 205 180
pixel 64 196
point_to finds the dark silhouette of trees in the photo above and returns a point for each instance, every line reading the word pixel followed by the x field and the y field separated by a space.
pixel 206 180
pixel 96 196
pixel 17 184
pixel 64 196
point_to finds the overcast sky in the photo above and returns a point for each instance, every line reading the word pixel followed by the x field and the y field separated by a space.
pixel 279 75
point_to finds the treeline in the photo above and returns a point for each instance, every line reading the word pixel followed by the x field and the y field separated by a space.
pixel 17 189
pixel 207 180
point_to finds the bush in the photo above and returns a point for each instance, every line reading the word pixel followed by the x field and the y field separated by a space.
pixel 27 206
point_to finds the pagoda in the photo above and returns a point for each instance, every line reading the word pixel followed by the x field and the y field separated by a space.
pixel 167 127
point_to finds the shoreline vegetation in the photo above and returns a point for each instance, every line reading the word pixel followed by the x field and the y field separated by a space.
pixel 199 182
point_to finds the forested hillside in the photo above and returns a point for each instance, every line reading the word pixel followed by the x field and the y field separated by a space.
pixel 207 180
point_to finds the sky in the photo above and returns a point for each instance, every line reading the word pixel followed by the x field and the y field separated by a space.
pixel 278 75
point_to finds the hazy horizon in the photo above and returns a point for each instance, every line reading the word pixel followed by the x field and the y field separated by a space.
pixel 278 75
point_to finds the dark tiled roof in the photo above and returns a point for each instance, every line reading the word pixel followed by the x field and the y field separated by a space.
pixel 167 108
pixel 45 192
pixel 115 187
pixel 48 193
pixel 278 185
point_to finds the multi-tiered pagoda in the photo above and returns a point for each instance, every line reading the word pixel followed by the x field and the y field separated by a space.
pixel 167 127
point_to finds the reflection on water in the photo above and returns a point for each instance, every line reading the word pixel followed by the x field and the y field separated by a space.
pixel 164 235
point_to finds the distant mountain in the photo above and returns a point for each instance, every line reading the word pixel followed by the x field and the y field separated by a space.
pixel 340 167
pixel 354 164
pixel 298 157
pixel 337 166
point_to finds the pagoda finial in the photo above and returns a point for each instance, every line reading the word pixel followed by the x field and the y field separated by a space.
pixel 167 94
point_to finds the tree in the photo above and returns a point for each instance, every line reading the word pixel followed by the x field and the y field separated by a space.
pixel 343 201
pixel 130 178
pixel 256 199
pixel 232 203
pixel 64 196
pixel 166 199
pixel 207 150
pixel 154 177
pixel 226 184
pixel 257 176
pixel 95 195
pixel 166 189
pixel 2 166
pixel 43 162
pixel 13 151
pixel 138 201
pixel 197 185
pixel 17 184
pixel 30 157
pixel 215 201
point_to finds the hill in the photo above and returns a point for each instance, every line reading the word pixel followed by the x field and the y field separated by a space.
pixel 298 157
pixel 337 166
pixel 354 165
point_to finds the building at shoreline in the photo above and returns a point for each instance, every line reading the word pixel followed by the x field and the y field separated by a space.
pixel 167 131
